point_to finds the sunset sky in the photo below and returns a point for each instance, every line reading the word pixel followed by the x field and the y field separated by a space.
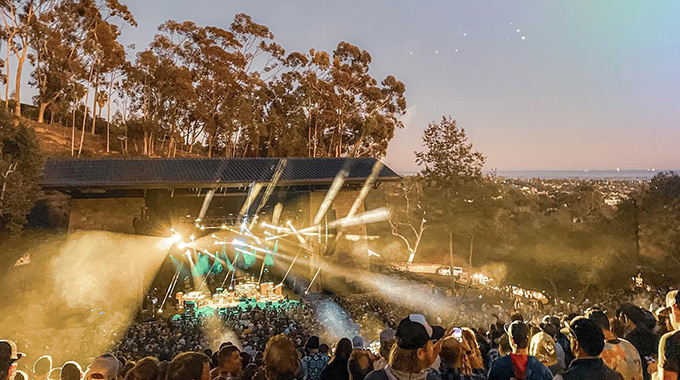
pixel 582 84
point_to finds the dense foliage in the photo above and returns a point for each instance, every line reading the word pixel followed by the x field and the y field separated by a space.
pixel 20 166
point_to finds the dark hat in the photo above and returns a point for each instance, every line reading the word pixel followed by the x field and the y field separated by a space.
pixel 312 343
pixel 438 332
pixel 413 332
pixel 387 335
pixel 599 317
pixel 8 351
pixel 588 335
pixel 517 330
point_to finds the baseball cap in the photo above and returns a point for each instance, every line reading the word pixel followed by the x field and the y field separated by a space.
pixel 387 335
pixel 413 332
pixel 438 332
pixel 588 334
pixel 8 350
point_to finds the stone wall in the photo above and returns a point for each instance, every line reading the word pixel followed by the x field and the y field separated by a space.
pixel 115 215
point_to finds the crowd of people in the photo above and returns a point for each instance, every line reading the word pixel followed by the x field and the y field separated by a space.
pixel 605 340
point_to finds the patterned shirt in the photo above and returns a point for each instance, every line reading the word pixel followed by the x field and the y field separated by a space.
pixel 313 364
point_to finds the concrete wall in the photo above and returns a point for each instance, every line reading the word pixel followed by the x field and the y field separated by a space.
pixel 115 215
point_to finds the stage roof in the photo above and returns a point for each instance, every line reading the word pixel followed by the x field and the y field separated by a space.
pixel 150 173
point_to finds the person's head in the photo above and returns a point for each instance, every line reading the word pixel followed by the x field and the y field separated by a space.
pixel 630 315
pixel 516 316
pixel 145 369
pixel 342 350
pixel 189 366
pixel 281 361
pixel 312 344
pixel 229 359
pixel 359 364
pixel 105 367
pixel 8 356
pixel 358 342
pixel 586 337
pixel 518 332
pixel 42 366
pixel 71 371
pixel 55 374
pixel 414 348
pixel 323 349
pixel 451 353
pixel 387 339
pixel 504 345
pixel 673 306
pixel 599 317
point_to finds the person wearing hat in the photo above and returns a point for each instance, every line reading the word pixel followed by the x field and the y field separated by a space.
pixel 545 349
pixel 314 362
pixel 618 354
pixel 387 339
pixel 413 353
pixel 8 355
pixel 518 364
pixel 669 345
pixel 587 342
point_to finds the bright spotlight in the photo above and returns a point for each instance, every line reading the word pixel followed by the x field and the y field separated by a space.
pixel 181 245
pixel 160 311
pixel 172 229
pixel 191 237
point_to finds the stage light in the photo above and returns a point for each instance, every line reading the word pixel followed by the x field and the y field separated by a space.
pixel 160 311
pixel 172 229
pixel 224 226
pixel 191 237
pixel 202 228
pixel 181 245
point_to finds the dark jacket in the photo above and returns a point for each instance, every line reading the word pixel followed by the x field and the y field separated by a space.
pixel 335 370
pixel 502 369
pixel 590 369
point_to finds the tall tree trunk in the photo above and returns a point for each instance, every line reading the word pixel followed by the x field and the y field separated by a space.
pixel 17 94
pixel 7 77
pixel 210 145
pixel 108 123
pixel 94 106
pixel 472 244
pixel 87 93
pixel 453 280
pixel 41 112
pixel 73 130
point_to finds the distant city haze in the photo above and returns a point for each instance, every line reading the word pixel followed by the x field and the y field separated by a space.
pixel 581 85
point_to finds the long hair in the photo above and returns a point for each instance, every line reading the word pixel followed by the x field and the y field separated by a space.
pixel 342 351
pixel 404 360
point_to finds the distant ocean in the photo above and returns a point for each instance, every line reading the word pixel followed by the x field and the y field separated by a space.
pixel 580 174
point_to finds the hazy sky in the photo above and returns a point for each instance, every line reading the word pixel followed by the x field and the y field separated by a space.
pixel 583 84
